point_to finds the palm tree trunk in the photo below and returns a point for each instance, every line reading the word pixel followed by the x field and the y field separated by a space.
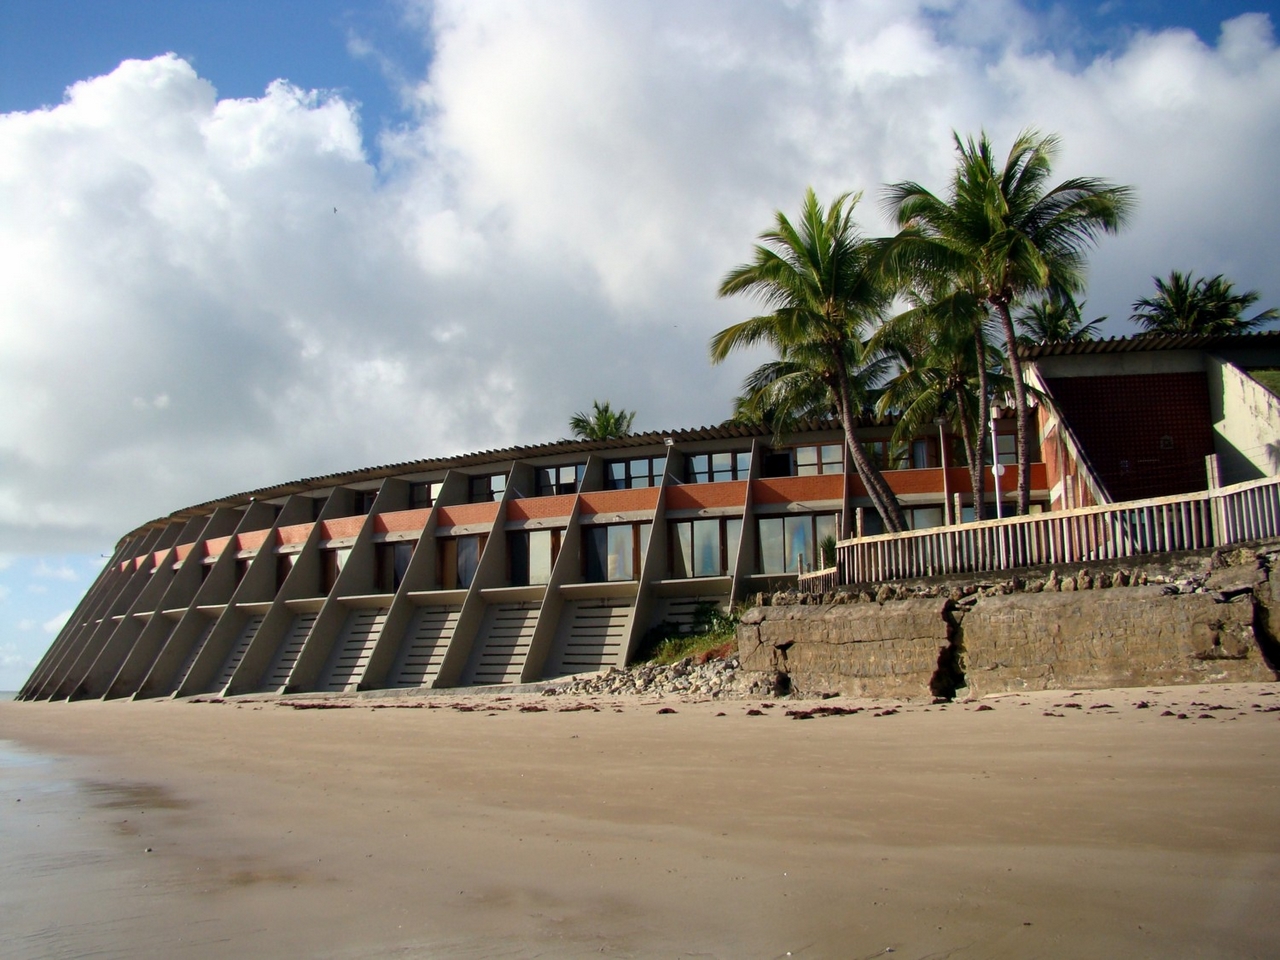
pixel 877 488
pixel 978 479
pixel 972 453
pixel 1021 409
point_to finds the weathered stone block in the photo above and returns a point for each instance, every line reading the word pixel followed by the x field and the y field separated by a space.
pixel 859 650
pixel 1125 637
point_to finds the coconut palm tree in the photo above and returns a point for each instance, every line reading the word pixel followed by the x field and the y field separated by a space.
pixel 820 283
pixel 1055 318
pixel 1002 234
pixel 602 423
pixel 1186 306
pixel 944 370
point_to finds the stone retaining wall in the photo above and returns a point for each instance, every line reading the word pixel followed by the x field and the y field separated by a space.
pixel 1192 619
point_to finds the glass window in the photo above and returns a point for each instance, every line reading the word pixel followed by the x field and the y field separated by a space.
pixel 485 489
pixel 532 555
pixel 832 457
pixel 806 461
pixel 887 455
pixel 821 458
pixel 721 467
pixel 772 551
pixel 922 518
pixel 284 565
pixel 787 543
pixel 636 473
pixel 621 546
pixel 459 558
pixel 424 494
pixel 331 564
pixel 614 552
pixel 732 538
pixel 707 561
pixel 392 560
pixel 718 467
pixel 365 500
pixel 1006 444
pixel 704 548
pixel 551 481
pixel 682 550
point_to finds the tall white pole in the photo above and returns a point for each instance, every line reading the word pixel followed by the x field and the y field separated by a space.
pixel 996 467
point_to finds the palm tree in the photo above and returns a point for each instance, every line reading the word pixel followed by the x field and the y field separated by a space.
pixel 820 283
pixel 602 423
pixel 1186 306
pixel 1002 235
pixel 944 371
pixel 1055 318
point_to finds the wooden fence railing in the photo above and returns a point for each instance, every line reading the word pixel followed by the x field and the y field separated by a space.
pixel 1193 521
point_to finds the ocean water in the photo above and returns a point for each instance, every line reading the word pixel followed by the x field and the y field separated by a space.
pixel 61 874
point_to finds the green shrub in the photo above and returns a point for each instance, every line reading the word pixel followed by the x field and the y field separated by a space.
pixel 669 642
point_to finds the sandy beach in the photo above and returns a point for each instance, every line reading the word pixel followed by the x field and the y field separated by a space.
pixel 1027 825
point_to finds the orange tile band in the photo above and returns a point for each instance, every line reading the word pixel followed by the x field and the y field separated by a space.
pixel 619 501
pixel 695 496
pixel 399 521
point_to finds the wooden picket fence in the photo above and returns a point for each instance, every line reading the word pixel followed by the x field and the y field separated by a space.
pixel 1192 521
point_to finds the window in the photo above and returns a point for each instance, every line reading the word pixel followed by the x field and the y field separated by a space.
pixel 614 552
pixel 392 560
pixel 635 473
pixel 532 554
pixel 459 558
pixel 887 455
pixel 365 500
pixel 284 564
pixel 717 467
pixel 485 489
pixel 550 481
pixel 331 564
pixel 923 454
pixel 242 568
pixel 788 543
pixel 921 518
pixel 1006 444
pixel 823 458
pixel 424 494
pixel 704 548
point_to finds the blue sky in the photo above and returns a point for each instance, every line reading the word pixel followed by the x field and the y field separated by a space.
pixel 364 50
pixel 461 221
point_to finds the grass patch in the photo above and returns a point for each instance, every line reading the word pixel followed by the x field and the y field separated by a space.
pixel 713 634
pixel 1268 378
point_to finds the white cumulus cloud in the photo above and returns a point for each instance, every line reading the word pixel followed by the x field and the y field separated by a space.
pixel 199 296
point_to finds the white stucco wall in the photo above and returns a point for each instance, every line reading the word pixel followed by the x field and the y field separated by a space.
pixel 1246 423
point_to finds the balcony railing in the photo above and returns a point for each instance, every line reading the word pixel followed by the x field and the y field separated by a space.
pixel 1193 521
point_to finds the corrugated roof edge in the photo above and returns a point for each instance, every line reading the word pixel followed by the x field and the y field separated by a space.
pixel 1149 341
pixel 725 431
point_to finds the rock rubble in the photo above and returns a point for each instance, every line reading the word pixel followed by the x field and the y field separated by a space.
pixel 714 679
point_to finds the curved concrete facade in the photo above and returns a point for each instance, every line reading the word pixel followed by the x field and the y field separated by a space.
pixel 491 568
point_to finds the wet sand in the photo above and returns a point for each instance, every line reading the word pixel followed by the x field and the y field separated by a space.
pixel 1037 825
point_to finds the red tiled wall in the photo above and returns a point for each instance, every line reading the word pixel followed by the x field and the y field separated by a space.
pixel 620 501
pixel 828 486
pixel 467 513
pixel 297 533
pixel 398 521
pixel 695 496
pixel 540 508
pixel 341 527
pixel 252 540
pixel 1120 422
